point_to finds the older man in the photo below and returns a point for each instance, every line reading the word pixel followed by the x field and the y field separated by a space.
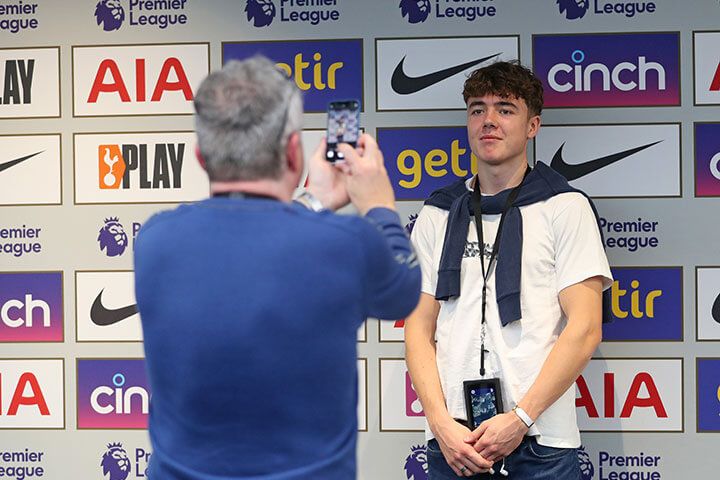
pixel 250 303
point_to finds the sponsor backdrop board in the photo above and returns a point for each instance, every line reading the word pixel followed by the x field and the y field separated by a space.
pixel 97 136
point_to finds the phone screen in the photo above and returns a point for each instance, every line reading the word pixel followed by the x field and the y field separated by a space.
pixel 484 403
pixel 343 127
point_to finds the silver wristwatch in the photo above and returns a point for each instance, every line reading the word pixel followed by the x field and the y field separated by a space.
pixel 309 201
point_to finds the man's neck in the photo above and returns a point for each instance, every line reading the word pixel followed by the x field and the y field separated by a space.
pixel 266 188
pixel 496 178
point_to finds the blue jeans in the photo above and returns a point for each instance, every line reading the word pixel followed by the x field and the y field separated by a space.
pixel 529 461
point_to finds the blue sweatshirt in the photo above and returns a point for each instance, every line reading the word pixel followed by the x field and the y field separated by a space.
pixel 250 310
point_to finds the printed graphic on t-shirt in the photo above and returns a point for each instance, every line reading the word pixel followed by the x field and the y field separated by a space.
pixel 472 250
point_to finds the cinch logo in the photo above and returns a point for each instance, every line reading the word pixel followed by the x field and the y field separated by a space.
pixel 646 304
pixel 631 235
pixel 138 79
pixel 112 393
pixel 261 13
pixel 110 14
pixel 707 160
pixel 32 394
pixel 31 307
pixel 630 395
pixel 324 70
pixel 613 70
pixel 708 394
pixel 116 464
pixel 413 408
pixel 612 161
pixel 417 11
pixel 30 82
pixel 416 467
pixel 707 68
pixel 421 160
pixel 574 9
pixel 19 16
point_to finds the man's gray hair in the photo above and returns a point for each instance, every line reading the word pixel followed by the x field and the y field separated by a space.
pixel 244 115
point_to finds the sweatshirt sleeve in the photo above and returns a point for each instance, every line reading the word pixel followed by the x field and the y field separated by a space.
pixel 392 272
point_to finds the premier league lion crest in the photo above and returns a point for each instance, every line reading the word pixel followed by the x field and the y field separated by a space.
pixel 115 462
pixel 586 467
pixel 112 237
pixel 110 14
pixel 416 467
pixel 573 8
pixel 411 223
pixel 417 11
pixel 260 12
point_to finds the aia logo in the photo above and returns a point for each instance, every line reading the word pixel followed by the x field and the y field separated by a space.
pixel 416 467
pixel 587 469
pixel 416 11
pixel 573 9
pixel 110 14
pixel 112 238
pixel 115 462
pixel 32 394
pixel 260 12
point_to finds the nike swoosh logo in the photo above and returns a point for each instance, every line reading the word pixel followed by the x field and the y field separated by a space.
pixel 716 309
pixel 405 85
pixel 573 172
pixel 103 317
pixel 12 163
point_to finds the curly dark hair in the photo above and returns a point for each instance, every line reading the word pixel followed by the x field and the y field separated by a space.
pixel 506 79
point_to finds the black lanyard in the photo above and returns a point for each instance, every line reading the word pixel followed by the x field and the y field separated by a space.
pixel 237 194
pixel 476 203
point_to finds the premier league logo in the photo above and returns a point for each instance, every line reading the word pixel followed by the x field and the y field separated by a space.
pixel 260 12
pixel 110 14
pixel 416 11
pixel 115 462
pixel 586 467
pixel 573 8
pixel 416 467
pixel 411 223
pixel 113 238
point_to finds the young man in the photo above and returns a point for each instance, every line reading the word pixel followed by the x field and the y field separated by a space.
pixel 250 303
pixel 541 263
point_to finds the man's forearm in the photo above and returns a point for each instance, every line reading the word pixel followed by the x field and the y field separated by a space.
pixel 566 361
pixel 421 361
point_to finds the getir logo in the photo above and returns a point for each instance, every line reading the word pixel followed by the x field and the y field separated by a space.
pixel 707 159
pixel 421 160
pixel 708 394
pixel 630 395
pixel 646 304
pixel 30 82
pixel 707 68
pixel 324 70
pixel 610 70
pixel 112 393
pixel 31 307
pixel 138 79
pixel 31 394
pixel 119 168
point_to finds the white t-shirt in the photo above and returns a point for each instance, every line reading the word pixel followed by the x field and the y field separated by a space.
pixel 561 247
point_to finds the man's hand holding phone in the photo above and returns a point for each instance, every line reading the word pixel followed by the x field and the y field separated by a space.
pixel 366 179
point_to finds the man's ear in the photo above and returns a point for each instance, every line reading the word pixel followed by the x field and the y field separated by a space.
pixel 294 153
pixel 200 158
pixel 533 126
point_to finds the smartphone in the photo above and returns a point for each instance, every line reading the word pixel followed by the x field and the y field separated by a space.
pixel 343 127
pixel 482 400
